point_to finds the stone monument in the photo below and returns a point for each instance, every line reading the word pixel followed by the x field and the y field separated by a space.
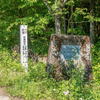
pixel 63 48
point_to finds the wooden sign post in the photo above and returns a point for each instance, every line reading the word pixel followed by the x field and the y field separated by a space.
pixel 24 46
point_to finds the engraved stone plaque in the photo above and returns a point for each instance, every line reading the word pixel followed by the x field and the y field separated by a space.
pixel 70 52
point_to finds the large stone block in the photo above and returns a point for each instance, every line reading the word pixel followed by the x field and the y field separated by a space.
pixel 63 48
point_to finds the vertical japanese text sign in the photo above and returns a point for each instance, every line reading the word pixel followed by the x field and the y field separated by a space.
pixel 24 46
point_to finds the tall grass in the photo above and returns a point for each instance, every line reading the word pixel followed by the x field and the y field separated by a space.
pixel 35 85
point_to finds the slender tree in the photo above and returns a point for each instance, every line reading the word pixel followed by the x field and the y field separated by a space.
pixel 55 14
pixel 72 25
pixel 65 22
pixel 91 23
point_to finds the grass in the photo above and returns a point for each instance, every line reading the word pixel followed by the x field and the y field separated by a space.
pixel 35 85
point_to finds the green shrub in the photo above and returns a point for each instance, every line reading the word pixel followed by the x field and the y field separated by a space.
pixel 96 61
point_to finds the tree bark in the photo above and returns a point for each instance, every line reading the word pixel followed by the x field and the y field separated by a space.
pixel 57 25
pixel 91 23
pixel 48 6
pixel 65 27
pixel 72 25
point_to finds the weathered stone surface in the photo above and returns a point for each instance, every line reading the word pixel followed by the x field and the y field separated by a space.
pixel 61 65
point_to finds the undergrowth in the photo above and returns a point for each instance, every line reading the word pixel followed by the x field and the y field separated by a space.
pixel 35 84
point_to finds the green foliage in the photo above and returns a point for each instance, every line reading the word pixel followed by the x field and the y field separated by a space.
pixel 35 14
pixel 35 83
pixel 95 61
pixel 29 12
pixel 7 62
pixel 70 2
pixel 40 45
pixel 77 31
pixel 78 14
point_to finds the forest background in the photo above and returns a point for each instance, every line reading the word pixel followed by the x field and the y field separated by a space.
pixel 75 17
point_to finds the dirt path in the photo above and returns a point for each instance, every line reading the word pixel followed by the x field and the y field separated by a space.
pixel 5 96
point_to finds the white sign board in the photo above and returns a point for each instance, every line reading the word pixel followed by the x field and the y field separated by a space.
pixel 24 46
pixel 70 52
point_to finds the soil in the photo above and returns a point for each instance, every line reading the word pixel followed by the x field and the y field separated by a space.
pixel 6 95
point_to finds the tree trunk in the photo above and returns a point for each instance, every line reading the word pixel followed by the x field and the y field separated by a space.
pixel 91 23
pixel 72 25
pixel 57 25
pixel 91 32
pixel 57 17
pixel 65 27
